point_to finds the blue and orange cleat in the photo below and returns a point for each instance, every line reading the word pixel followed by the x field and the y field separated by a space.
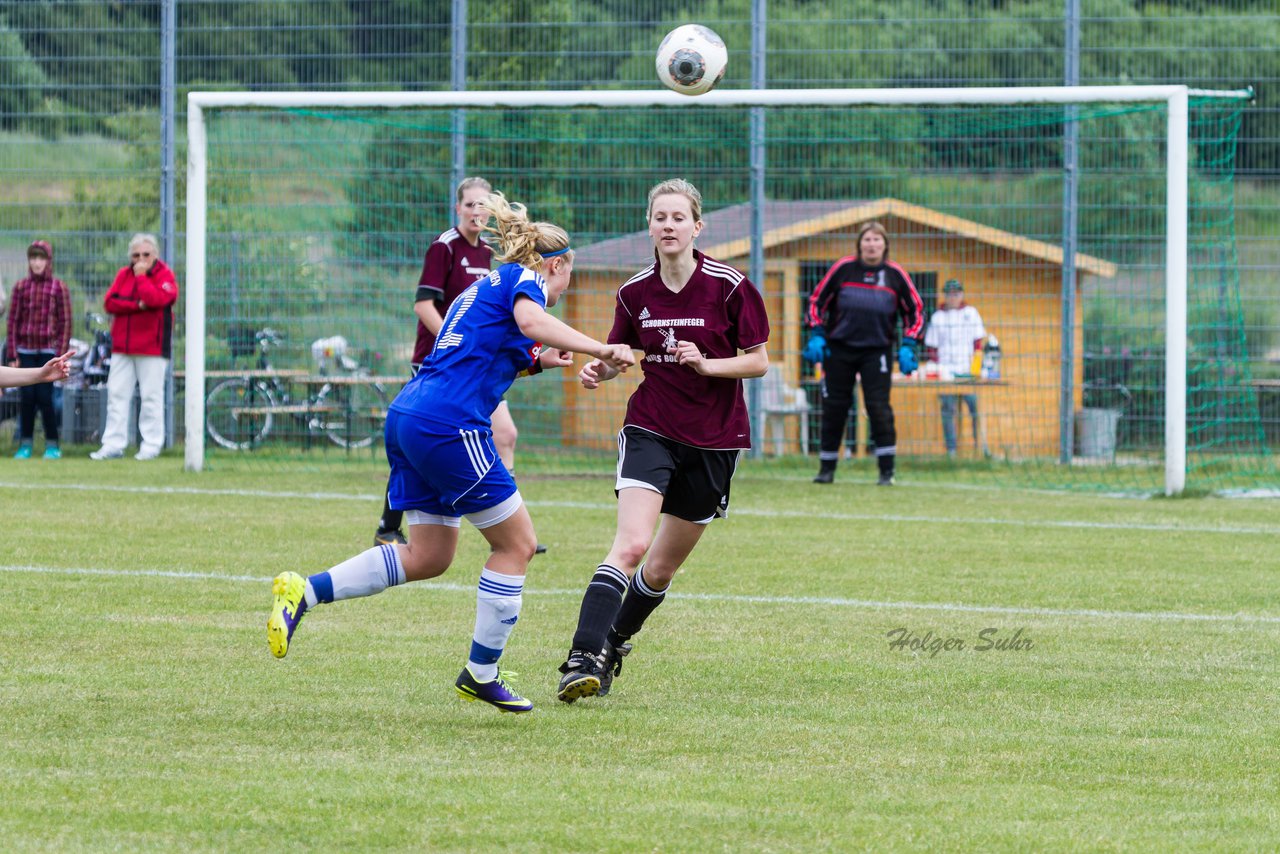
pixel 287 608
pixel 495 692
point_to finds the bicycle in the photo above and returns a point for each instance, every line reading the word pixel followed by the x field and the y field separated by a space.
pixel 347 409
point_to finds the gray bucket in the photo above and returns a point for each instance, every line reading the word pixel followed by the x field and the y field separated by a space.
pixel 1096 433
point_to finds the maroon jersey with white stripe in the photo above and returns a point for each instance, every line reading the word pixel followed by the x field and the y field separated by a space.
pixel 452 265
pixel 721 312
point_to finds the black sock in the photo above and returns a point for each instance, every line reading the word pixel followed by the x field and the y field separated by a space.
pixel 391 519
pixel 599 607
pixel 640 603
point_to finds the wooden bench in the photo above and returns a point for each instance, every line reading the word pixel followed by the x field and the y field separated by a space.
pixel 285 373
pixel 346 379
pixel 286 409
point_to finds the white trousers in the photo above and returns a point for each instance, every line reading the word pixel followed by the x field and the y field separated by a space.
pixel 147 373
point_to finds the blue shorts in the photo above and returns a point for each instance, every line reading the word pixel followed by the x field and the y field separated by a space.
pixel 443 472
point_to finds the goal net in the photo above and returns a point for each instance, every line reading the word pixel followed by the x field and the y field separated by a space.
pixel 1091 228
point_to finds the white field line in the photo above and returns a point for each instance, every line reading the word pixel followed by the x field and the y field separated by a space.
pixel 730 598
pixel 968 521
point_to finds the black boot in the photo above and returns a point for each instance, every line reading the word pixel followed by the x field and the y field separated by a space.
pixel 886 470
pixel 827 472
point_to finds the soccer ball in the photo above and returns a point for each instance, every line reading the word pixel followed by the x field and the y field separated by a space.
pixel 691 60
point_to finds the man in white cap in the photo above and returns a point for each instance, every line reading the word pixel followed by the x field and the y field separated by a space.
pixel 955 334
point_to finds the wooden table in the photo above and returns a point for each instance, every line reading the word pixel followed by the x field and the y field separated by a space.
pixel 912 387
pixel 960 382
pixel 957 386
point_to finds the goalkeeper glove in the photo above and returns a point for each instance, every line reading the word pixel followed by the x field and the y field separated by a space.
pixel 907 357
pixel 817 350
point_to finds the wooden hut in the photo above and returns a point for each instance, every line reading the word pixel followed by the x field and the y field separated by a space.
pixel 1014 281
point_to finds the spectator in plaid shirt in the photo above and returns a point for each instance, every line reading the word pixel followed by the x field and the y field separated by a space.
pixel 39 329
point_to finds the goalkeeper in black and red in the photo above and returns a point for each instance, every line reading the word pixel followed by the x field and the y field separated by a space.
pixel 853 314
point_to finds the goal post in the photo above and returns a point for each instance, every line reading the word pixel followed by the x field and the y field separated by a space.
pixel 1175 265
pixel 1176 101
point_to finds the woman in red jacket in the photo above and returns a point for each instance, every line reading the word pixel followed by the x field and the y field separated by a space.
pixel 141 301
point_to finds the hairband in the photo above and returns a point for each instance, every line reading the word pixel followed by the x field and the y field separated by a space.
pixel 554 254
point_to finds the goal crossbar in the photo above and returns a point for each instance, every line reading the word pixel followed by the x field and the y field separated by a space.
pixel 722 98
pixel 1176 97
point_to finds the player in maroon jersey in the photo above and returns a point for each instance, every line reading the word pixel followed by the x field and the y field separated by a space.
pixel 454 261
pixel 703 329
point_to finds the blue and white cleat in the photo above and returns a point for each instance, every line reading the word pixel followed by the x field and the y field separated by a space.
pixel 495 692
pixel 287 607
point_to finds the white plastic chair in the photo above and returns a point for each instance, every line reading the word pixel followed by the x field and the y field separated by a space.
pixel 780 401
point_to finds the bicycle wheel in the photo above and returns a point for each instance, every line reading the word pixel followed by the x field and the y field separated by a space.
pixel 359 413
pixel 237 413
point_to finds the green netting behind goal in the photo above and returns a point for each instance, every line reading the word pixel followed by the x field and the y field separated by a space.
pixel 318 220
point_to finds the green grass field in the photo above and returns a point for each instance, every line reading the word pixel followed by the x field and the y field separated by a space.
pixel 763 708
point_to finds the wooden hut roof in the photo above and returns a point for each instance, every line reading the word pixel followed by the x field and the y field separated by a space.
pixel 727 233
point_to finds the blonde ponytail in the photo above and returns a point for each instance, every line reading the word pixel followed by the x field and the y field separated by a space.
pixel 522 241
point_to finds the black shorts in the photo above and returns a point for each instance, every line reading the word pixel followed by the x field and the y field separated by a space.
pixel 694 482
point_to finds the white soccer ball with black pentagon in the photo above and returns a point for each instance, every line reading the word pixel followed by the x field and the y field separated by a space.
pixel 691 60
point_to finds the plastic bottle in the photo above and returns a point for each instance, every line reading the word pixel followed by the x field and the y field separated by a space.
pixel 991 360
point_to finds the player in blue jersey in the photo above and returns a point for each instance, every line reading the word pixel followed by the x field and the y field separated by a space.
pixel 443 462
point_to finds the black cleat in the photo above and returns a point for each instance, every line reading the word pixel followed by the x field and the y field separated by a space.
pixel 389 538
pixel 826 472
pixel 582 676
pixel 540 549
pixel 612 656
pixel 886 479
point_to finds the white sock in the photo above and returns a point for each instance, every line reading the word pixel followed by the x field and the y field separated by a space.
pixel 498 599
pixel 365 574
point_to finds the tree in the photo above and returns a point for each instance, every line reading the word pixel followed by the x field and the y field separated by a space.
pixel 22 96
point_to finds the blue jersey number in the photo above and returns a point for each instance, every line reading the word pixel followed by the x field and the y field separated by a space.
pixel 449 338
